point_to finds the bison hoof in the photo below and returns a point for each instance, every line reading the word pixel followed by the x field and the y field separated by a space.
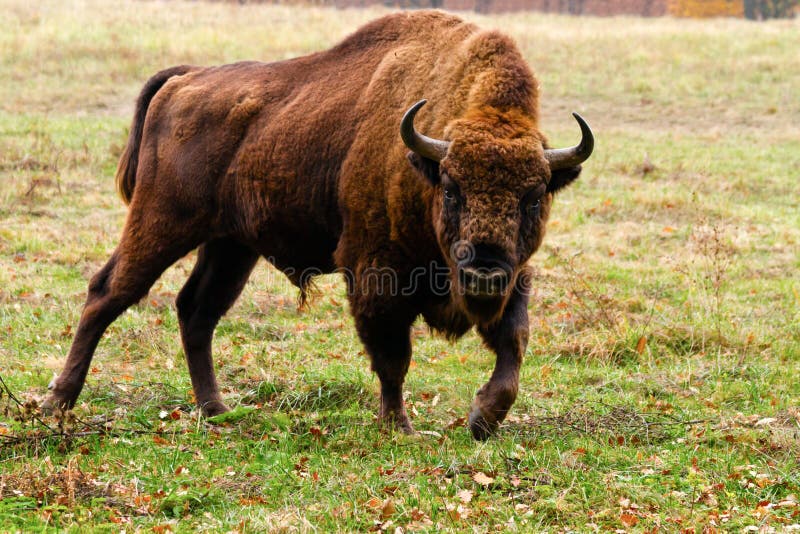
pixel 56 403
pixel 397 422
pixel 481 428
pixel 405 427
pixel 214 407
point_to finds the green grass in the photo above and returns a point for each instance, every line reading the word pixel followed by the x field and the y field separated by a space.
pixel 660 386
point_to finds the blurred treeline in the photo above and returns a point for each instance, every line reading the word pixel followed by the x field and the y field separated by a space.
pixel 751 9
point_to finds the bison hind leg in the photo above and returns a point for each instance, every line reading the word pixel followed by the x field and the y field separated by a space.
pixel 144 252
pixel 221 272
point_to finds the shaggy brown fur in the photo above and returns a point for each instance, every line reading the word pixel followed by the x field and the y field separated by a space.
pixel 301 162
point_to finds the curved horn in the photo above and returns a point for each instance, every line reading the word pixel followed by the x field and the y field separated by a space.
pixel 434 149
pixel 562 158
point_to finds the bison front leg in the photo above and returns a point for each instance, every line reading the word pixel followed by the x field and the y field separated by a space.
pixel 508 338
pixel 388 342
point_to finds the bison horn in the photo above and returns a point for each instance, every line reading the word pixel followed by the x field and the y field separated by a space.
pixel 426 147
pixel 562 158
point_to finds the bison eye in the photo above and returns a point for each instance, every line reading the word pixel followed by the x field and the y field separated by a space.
pixel 451 194
pixel 532 208
pixel 532 202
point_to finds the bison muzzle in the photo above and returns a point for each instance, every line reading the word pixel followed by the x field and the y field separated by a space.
pixel 333 162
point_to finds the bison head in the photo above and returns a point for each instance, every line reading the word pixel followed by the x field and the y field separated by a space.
pixel 494 183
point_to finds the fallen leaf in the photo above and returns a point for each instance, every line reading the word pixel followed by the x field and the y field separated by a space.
pixel 457 422
pixel 417 514
pixel 708 498
pixel 465 496
pixel 482 479
pixel 388 509
pixel 453 512
pixel 629 520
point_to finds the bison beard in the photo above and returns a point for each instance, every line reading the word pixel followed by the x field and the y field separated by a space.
pixel 306 162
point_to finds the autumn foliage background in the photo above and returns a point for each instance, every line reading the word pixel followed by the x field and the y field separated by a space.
pixel 706 8
pixel 751 9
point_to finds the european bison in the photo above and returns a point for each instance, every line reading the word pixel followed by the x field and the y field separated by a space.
pixel 306 162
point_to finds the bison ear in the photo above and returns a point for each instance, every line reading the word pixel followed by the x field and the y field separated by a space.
pixel 562 178
pixel 426 167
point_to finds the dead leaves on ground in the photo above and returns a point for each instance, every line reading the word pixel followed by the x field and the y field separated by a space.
pixel 58 488
pixel 463 495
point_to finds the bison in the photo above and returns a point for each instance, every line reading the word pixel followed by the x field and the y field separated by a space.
pixel 317 164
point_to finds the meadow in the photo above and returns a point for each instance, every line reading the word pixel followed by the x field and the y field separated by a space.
pixel 660 388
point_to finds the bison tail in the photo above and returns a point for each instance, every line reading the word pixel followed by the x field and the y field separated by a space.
pixel 126 170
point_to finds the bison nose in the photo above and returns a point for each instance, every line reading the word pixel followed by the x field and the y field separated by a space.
pixel 484 282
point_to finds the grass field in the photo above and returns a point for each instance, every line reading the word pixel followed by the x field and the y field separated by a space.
pixel 660 389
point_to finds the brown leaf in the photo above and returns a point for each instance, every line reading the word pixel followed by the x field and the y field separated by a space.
pixel 708 498
pixel 544 372
pixel 465 496
pixel 694 469
pixel 453 512
pixel 641 344
pixel 388 509
pixel 629 520
pixel 482 479
pixel 417 514
pixel 456 423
